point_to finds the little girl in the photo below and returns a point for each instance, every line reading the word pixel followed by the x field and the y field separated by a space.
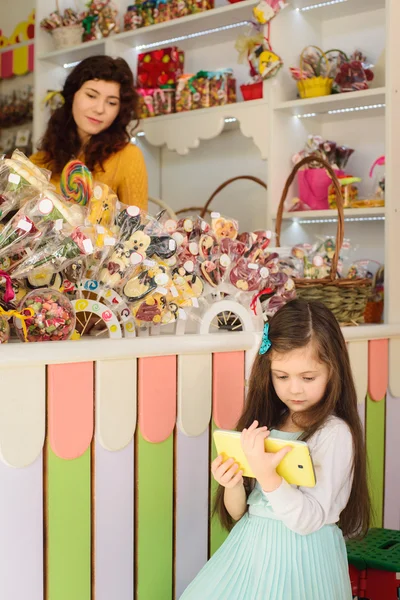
pixel 288 542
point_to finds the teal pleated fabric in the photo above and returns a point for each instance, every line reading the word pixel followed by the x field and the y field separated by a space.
pixel 264 560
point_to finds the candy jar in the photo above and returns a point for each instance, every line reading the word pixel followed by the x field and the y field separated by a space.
pixel 51 317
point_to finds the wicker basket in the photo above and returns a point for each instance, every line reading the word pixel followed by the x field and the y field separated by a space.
pixel 203 210
pixel 64 37
pixel 316 86
pixel 346 298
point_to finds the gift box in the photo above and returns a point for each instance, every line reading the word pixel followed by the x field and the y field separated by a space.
pixel 205 89
pixel 160 67
pixel 133 17
pixel 155 101
pixel 223 88
pixel 162 11
pixel 145 107
pixel 196 6
pixel 179 8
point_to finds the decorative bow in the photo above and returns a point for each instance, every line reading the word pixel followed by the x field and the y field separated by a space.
pixel 245 45
pixel 265 342
pixel 18 315
pixel 9 294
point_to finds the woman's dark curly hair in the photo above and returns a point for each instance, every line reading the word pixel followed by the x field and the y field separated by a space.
pixel 61 141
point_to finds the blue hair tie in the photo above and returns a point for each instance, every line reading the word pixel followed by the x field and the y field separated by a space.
pixel 265 342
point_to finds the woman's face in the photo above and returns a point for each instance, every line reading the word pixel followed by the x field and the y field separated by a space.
pixel 95 107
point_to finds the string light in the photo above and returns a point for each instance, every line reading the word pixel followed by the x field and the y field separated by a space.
pixel 339 111
pixel 306 116
pixel 71 64
pixel 320 5
pixel 347 219
pixel 190 36
pixel 355 109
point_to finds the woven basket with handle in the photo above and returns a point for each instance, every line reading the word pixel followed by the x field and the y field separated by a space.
pixel 203 210
pixel 346 298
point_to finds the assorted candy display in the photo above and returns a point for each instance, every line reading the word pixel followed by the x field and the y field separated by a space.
pixel 323 73
pixel 57 19
pixel 315 188
pixel 144 270
pixel 99 20
pixel 150 12
pixel 254 48
pixel 165 89
pixel 16 108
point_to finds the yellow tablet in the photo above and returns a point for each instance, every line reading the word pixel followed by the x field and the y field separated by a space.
pixel 297 467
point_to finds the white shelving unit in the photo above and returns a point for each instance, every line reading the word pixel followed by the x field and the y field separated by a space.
pixel 353 104
pixel 182 132
pixel 349 214
pixel 181 148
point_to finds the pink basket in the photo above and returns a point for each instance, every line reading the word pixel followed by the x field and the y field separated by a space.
pixel 313 187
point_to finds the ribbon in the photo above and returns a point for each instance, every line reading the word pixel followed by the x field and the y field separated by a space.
pixel 51 94
pixel 245 45
pixel 9 293
pixel 18 315
pixel 253 303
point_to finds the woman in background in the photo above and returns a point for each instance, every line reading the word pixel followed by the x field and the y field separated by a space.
pixel 93 126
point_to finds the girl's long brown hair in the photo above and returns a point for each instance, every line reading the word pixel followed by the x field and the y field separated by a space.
pixel 61 141
pixel 294 326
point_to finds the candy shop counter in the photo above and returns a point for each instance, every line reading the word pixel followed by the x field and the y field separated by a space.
pixel 14 354
pixel 85 426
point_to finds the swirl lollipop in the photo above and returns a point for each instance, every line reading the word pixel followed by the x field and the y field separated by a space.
pixel 76 183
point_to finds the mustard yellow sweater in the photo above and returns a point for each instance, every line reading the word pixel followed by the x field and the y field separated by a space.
pixel 125 172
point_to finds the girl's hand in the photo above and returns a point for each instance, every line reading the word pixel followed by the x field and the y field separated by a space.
pixel 262 463
pixel 226 473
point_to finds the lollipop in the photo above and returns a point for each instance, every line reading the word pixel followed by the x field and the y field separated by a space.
pixel 76 183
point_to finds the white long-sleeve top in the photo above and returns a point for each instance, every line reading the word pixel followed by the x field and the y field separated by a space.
pixel 305 510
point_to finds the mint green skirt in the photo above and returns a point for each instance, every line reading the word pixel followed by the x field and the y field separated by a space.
pixel 264 560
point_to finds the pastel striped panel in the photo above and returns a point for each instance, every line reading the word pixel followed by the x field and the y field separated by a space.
pixel 21 526
pixel 154 518
pixel 70 408
pixel 392 471
pixel 157 397
pixel 378 368
pixel 375 441
pixel 394 371
pixel 358 354
pixel 191 507
pixel 113 534
pixel 228 388
pixel 194 393
pixel 68 527
pixel 115 403
pixel 22 414
pixel 217 533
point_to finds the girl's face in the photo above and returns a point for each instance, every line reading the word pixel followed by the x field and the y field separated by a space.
pixel 299 378
pixel 95 107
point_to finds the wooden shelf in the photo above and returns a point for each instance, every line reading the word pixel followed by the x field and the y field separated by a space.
pixel 347 8
pixel 183 131
pixel 332 214
pixel 321 106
